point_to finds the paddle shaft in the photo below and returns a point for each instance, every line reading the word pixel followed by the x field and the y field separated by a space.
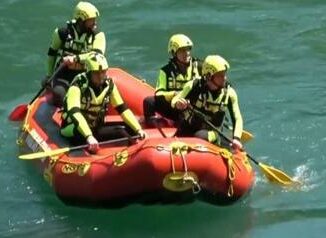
pixel 106 142
pixel 20 111
pixel 43 154
pixel 203 117
pixel 272 174
pixel 245 134
pixel 61 66
pixel 220 133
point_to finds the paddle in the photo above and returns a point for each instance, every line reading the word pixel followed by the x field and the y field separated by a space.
pixel 20 111
pixel 245 136
pixel 43 154
pixel 271 173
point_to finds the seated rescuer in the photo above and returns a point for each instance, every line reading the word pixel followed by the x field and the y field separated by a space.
pixel 86 103
pixel 71 45
pixel 181 68
pixel 213 96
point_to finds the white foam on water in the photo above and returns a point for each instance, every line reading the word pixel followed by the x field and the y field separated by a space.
pixel 308 178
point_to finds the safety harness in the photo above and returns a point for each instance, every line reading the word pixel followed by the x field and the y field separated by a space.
pixel 73 43
pixel 175 80
pixel 93 113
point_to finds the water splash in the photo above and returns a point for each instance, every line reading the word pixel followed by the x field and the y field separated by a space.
pixel 308 177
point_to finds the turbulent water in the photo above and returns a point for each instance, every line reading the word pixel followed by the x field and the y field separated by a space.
pixel 277 54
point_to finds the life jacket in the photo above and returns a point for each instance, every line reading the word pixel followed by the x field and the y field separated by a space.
pixel 92 107
pixel 175 80
pixel 73 42
pixel 212 104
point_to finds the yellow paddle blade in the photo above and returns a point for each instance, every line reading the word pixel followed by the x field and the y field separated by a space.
pixel 277 176
pixel 246 136
pixel 43 154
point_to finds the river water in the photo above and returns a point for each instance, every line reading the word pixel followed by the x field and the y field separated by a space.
pixel 277 54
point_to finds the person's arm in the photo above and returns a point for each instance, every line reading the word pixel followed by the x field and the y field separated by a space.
pixel 234 109
pixel 126 114
pixel 73 108
pixel 99 46
pixel 161 87
pixel 53 51
pixel 179 100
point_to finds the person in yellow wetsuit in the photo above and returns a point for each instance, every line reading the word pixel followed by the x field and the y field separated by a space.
pixel 86 103
pixel 70 45
pixel 181 68
pixel 212 96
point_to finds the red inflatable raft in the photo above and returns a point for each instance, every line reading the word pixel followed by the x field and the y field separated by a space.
pixel 161 165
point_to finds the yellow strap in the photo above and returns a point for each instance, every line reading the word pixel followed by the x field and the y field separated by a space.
pixel 179 181
pixel 181 149
pixel 227 155
pixel 47 173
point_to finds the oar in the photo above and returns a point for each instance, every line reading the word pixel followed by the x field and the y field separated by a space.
pixel 271 173
pixel 20 111
pixel 245 136
pixel 44 154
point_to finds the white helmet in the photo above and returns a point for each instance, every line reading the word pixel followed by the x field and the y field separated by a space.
pixel 96 62
pixel 178 41
pixel 85 10
pixel 214 64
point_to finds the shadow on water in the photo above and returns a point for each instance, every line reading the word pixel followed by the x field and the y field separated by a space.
pixel 156 198
pixel 144 216
pixel 154 215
